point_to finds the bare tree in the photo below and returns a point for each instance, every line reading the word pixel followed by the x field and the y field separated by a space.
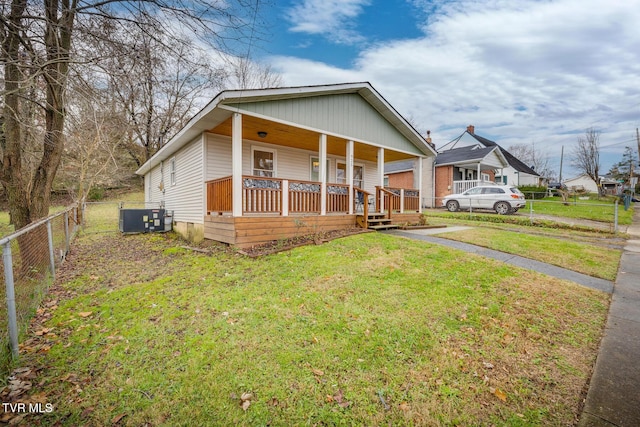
pixel 530 155
pixel 586 156
pixel 245 74
pixel 156 80
pixel 94 137
pixel 37 39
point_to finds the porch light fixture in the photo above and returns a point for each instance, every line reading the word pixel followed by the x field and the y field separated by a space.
pixel 262 134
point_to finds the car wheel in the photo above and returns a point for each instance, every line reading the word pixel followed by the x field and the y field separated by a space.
pixel 502 208
pixel 453 206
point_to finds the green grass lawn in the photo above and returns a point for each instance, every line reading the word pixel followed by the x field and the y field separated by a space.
pixel 583 257
pixel 596 210
pixel 365 330
pixel 5 227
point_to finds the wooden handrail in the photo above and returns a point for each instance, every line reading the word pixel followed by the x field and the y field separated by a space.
pixel 365 204
pixel 388 195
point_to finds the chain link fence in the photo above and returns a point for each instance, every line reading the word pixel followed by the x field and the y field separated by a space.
pixel 30 257
pixel 104 217
pixel 599 215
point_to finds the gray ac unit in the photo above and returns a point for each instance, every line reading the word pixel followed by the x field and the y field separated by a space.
pixel 142 220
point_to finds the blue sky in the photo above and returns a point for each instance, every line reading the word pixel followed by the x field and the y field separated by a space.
pixel 521 71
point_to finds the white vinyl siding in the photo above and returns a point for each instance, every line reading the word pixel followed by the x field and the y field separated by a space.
pixel 292 163
pixel 185 198
pixel 153 194
pixel 218 156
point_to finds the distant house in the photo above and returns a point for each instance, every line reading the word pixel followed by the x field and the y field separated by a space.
pixel 514 173
pixel 584 183
pixel 460 169
pixel 261 165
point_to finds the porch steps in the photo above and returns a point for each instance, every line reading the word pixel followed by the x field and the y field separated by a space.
pixel 376 221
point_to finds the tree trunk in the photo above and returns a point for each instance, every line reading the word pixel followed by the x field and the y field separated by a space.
pixel 12 173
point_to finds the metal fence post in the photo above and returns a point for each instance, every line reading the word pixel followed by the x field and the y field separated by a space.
pixel 531 211
pixel 11 298
pixel 615 217
pixel 52 258
pixel 66 233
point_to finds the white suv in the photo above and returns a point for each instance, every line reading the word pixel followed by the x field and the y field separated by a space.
pixel 504 199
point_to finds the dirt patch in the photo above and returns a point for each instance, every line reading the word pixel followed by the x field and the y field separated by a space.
pixel 294 242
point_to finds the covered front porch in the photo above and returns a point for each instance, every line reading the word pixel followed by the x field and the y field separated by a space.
pixel 281 167
pixel 278 208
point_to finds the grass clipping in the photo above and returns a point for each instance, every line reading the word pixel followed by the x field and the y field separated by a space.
pixel 364 330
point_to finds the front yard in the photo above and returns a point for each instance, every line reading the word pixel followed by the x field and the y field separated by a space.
pixel 364 330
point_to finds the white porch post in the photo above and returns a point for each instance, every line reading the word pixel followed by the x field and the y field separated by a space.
pixel 419 170
pixel 479 176
pixel 381 176
pixel 323 174
pixel 236 163
pixel 350 174
pixel 285 197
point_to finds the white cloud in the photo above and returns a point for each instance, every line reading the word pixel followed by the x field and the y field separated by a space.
pixel 333 19
pixel 519 70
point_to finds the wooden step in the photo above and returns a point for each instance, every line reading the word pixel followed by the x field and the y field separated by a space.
pixel 383 227
pixel 379 221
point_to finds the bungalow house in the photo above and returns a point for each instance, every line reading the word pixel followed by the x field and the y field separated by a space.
pixel 470 160
pixel 584 183
pixel 260 165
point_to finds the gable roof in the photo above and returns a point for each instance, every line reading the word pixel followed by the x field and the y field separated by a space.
pixel 275 104
pixel 466 155
pixel 401 166
pixel 513 161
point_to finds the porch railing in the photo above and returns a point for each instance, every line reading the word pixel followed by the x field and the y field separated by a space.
pixel 265 195
pixel 219 195
pixel 337 198
pixel 304 197
pixel 462 186
pixel 261 195
pixel 397 199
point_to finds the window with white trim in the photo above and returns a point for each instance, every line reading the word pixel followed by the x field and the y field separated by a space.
pixel 315 169
pixel 172 171
pixel 263 162
pixel 358 174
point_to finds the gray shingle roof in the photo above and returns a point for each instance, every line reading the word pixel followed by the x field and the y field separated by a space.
pixel 462 154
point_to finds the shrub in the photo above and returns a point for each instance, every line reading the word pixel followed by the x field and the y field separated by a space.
pixel 533 191
pixel 96 194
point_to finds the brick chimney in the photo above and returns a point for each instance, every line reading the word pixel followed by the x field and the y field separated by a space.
pixel 471 129
pixel 428 139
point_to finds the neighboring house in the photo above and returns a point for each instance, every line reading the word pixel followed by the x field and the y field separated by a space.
pixel 471 157
pixel 260 165
pixel 404 174
pixel 585 183
pixel 460 169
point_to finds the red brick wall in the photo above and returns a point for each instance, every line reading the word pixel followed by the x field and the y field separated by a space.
pixel 444 182
pixel 401 180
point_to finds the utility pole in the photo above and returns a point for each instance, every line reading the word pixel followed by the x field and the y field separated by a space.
pixel 562 157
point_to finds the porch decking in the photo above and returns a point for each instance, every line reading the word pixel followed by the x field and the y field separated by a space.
pixel 274 208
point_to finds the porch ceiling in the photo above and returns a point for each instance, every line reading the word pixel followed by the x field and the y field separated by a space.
pixel 291 136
